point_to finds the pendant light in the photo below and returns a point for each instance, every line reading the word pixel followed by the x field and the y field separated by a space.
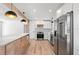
pixel 24 21
pixel 11 14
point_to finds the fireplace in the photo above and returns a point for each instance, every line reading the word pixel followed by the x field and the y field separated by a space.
pixel 40 35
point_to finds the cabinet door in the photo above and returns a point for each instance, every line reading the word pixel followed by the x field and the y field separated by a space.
pixel 10 49
pixel 25 44
pixel 18 46
pixel 2 50
pixel 21 45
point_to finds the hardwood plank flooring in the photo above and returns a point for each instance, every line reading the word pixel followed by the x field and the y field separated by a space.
pixel 40 47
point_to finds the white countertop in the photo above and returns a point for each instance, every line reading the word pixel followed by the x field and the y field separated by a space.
pixel 7 39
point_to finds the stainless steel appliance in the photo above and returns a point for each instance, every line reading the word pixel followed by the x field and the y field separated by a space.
pixel 40 35
pixel 63 42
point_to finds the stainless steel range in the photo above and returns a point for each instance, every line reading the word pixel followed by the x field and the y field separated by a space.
pixel 40 35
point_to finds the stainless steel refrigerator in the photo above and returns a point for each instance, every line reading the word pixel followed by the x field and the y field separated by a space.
pixel 63 38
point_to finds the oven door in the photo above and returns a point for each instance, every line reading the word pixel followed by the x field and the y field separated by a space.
pixel 40 35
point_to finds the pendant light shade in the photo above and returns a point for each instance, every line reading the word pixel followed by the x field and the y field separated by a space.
pixel 11 14
pixel 24 21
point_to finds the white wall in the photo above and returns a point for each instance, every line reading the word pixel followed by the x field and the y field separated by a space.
pixel 76 28
pixel 12 28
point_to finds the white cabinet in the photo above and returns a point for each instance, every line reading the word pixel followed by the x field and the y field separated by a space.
pixel 33 28
pixel 47 33
pixel 47 24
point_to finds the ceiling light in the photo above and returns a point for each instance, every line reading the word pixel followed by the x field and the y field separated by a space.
pixel 34 10
pixel 50 10
pixel 23 21
pixel 11 14
pixel 59 11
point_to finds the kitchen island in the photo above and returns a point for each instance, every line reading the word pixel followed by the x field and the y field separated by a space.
pixel 14 45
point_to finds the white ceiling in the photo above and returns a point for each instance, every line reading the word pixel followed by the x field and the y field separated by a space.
pixel 38 11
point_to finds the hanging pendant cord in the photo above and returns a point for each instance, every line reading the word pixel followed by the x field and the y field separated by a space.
pixel 11 6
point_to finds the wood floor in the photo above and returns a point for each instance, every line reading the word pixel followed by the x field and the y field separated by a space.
pixel 40 47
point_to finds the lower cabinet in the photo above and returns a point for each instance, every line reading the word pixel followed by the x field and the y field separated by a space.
pixel 10 48
pixel 21 46
pixel 17 47
pixel 2 50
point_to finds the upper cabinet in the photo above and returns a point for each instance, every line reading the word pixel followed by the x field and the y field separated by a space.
pixel 47 24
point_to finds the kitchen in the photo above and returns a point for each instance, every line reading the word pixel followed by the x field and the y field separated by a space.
pixel 34 26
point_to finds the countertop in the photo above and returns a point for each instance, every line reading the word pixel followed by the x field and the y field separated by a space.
pixel 7 39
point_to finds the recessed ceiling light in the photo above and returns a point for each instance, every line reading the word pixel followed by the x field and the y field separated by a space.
pixel 34 10
pixel 59 11
pixel 50 10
